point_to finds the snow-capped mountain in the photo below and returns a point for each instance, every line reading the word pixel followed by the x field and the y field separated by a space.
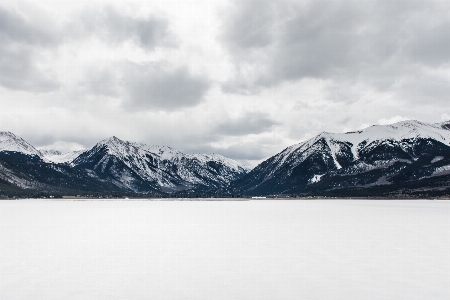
pixel 203 169
pixel 126 165
pixel 406 156
pixel 113 165
pixel 59 157
pixel 25 170
pixel 139 167
pixel 10 142
pixel 378 155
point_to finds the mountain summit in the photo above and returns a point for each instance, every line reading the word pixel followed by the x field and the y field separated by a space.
pixel 10 142
pixel 139 167
pixel 378 155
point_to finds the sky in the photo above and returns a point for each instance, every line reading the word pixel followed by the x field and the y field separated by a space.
pixel 244 79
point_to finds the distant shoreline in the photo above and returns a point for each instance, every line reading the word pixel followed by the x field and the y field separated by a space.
pixel 223 199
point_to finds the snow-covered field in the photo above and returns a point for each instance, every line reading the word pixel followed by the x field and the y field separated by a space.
pixel 334 249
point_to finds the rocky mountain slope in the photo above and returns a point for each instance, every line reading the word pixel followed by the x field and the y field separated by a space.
pixel 394 154
pixel 113 165
pixel 140 168
pixel 406 157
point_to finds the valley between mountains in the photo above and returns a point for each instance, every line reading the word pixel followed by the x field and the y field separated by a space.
pixel 405 159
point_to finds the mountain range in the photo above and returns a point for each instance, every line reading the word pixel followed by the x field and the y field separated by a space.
pixel 407 158
pixel 112 166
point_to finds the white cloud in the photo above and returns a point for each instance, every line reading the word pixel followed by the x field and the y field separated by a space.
pixel 392 120
pixel 63 146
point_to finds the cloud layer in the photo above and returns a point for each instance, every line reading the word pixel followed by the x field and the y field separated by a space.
pixel 115 27
pixel 241 78
pixel 155 87
pixel 381 43
pixel 19 39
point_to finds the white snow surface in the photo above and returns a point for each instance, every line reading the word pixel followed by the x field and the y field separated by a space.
pixel 241 250
pixel 10 142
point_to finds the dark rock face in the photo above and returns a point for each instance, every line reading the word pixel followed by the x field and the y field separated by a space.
pixel 401 153
pixel 113 165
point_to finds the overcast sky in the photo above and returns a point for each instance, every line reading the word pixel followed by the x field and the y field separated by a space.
pixel 240 78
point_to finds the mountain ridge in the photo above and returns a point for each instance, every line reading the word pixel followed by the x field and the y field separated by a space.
pixel 302 168
pixel 130 167
pixel 377 160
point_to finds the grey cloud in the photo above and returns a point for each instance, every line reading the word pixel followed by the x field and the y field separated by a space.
pixel 40 140
pixel 20 41
pixel 317 39
pixel 433 48
pixel 424 89
pixel 343 40
pixel 16 28
pixel 146 86
pixel 250 123
pixel 161 88
pixel 19 72
pixel 249 25
pixel 101 81
pixel 115 27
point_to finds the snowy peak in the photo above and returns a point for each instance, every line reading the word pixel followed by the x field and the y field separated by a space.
pixel 113 142
pixel 59 157
pixel 10 142
pixel 191 166
pixel 398 131
pixel 405 130
pixel 230 163
pixel 168 153
pixel 135 165
pixel 118 147
pixel 380 154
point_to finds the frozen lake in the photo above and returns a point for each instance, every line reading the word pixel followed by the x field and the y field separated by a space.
pixel 282 249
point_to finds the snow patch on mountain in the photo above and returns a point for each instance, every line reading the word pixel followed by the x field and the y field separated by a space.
pixel 11 142
pixel 436 159
pixel 60 157
pixel 442 170
pixel 9 176
pixel 334 149
pixel 161 166
pixel 316 178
